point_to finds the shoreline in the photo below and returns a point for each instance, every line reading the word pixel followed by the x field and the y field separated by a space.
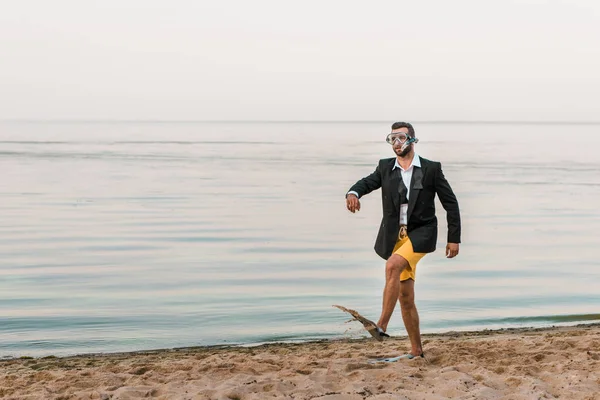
pixel 515 363
pixel 450 333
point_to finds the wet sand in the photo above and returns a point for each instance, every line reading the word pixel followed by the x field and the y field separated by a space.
pixel 558 362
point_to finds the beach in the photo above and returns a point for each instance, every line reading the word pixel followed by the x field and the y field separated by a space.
pixel 156 251
pixel 520 363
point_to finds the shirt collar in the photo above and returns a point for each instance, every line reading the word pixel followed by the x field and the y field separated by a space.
pixel 416 162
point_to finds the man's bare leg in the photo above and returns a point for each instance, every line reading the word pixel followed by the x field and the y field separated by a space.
pixel 393 267
pixel 410 316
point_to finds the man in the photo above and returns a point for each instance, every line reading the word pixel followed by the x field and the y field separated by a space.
pixel 408 228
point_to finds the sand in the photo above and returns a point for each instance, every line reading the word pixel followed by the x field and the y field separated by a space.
pixel 507 364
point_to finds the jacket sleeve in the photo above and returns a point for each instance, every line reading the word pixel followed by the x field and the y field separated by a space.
pixel 450 204
pixel 367 184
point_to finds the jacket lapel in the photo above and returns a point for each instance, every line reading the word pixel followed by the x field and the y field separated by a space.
pixel 395 186
pixel 416 184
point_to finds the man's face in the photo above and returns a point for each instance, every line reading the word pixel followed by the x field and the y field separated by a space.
pixel 398 146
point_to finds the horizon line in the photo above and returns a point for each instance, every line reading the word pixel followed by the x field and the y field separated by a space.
pixel 174 121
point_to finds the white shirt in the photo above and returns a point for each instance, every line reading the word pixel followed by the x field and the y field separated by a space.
pixel 406 178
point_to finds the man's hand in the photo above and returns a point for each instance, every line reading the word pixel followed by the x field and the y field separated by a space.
pixel 451 250
pixel 352 203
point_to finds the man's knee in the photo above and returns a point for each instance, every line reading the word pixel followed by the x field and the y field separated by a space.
pixel 395 265
pixel 407 293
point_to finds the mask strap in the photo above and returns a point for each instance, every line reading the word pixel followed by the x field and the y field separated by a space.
pixel 408 142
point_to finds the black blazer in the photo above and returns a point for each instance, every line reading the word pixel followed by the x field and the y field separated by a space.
pixel 422 223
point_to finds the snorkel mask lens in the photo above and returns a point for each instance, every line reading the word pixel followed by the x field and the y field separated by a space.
pixel 400 137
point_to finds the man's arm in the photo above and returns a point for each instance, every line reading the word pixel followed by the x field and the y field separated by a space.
pixel 450 204
pixel 367 184
pixel 364 186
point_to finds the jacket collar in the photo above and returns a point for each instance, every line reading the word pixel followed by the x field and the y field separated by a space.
pixel 416 162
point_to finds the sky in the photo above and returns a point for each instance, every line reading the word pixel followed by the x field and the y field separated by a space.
pixel 428 60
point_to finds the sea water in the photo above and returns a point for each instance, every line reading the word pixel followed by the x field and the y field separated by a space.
pixel 120 236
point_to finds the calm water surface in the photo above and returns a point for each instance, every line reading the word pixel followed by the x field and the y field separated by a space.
pixel 129 236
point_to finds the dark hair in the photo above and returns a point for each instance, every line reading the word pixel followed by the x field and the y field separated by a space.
pixel 398 125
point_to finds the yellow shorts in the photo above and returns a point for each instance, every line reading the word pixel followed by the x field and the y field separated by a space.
pixel 404 249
